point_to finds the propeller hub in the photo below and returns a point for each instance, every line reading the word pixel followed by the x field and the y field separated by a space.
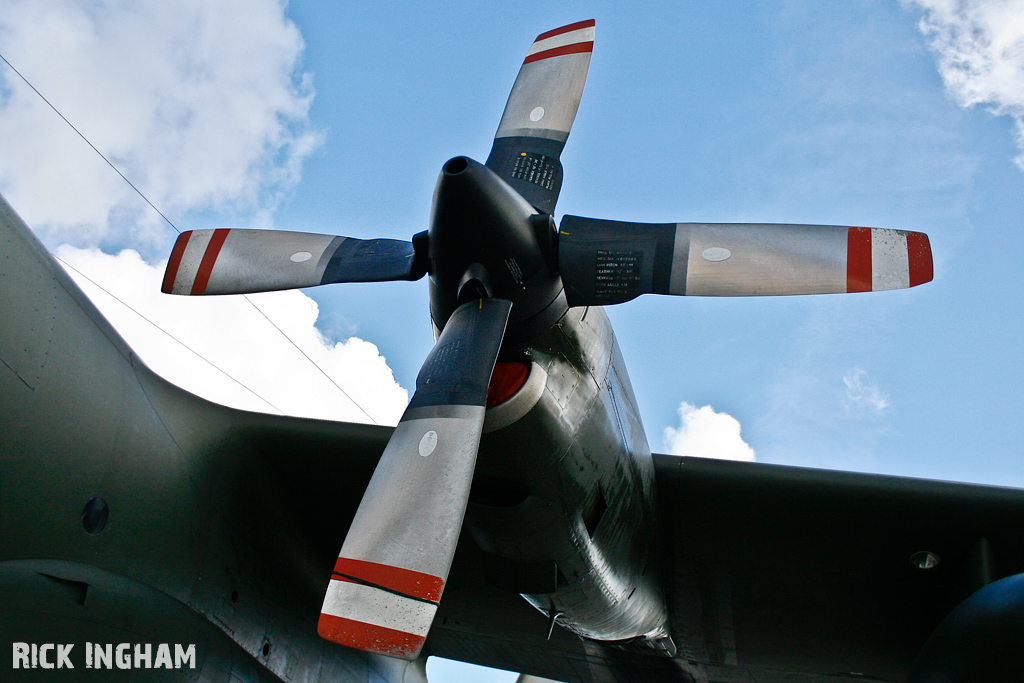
pixel 486 240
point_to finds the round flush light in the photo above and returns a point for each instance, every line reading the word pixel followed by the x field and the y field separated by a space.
pixel 925 560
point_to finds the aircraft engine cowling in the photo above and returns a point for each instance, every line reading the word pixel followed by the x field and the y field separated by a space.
pixel 980 640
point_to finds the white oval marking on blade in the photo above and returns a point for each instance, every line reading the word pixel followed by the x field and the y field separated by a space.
pixel 716 254
pixel 428 443
pixel 301 256
pixel 537 114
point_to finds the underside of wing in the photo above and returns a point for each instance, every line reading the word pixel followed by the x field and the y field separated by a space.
pixel 820 572
pixel 776 572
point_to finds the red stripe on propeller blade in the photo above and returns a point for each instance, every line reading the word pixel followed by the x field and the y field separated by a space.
pixel 405 581
pixel 368 637
pixel 209 258
pixel 175 261
pixel 566 29
pixel 858 260
pixel 572 49
pixel 919 254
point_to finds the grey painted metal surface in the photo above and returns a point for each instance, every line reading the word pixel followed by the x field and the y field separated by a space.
pixel 759 260
pixel 547 92
pixel 584 517
pixel 540 112
pixel 287 260
pixel 392 568
pixel 608 262
pixel 241 261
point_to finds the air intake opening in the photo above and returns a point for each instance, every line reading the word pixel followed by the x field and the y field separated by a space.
pixel 506 381
pixel 456 166
pixel 95 515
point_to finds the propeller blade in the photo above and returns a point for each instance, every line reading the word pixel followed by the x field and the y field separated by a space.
pixel 540 112
pixel 607 262
pixel 395 560
pixel 241 261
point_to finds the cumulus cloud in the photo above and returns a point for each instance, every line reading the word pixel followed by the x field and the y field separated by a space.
pixel 862 393
pixel 199 103
pixel 980 47
pixel 705 433
pixel 239 344
pixel 202 105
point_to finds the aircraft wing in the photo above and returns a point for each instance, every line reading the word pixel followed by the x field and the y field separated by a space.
pixel 804 570
pixel 775 572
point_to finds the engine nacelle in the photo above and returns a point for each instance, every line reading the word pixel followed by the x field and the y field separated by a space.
pixel 981 640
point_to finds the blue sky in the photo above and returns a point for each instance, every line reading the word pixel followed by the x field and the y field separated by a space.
pixel 723 112
pixel 326 117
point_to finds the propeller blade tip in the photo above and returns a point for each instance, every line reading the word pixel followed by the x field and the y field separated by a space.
pixel 881 259
pixel 919 253
pixel 370 638
pixel 568 28
pixel 174 262
pixel 376 620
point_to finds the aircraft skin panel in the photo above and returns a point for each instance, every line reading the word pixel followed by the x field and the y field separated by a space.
pixel 50 601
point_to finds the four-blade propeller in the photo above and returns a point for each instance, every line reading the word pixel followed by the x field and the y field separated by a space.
pixel 495 262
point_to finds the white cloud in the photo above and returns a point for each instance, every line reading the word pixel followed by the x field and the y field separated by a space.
pixel 704 433
pixel 863 394
pixel 199 103
pixel 234 337
pixel 980 46
pixel 202 106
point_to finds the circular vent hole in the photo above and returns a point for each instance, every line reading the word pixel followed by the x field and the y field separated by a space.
pixel 94 515
pixel 506 380
pixel 456 166
pixel 924 560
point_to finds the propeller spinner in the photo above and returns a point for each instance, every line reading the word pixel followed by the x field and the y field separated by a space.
pixel 496 261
